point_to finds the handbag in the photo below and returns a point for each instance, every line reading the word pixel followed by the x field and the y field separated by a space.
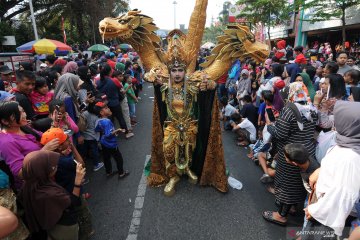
pixel 325 141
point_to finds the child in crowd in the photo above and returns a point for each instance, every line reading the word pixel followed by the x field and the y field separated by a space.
pixel 254 89
pixel 132 99
pixel 259 147
pixel 65 177
pixel 41 97
pixel 108 140
pixel 352 78
pixel 88 141
pixel 297 155
pixel 63 120
pixel 245 130
pixel 227 111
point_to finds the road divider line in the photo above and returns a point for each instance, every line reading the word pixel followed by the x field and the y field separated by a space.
pixel 138 205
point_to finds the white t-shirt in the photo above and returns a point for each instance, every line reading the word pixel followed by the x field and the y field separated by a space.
pixel 247 125
pixel 229 110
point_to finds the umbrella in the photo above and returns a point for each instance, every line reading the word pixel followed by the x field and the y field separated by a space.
pixel 45 46
pixel 124 46
pixel 208 45
pixel 98 48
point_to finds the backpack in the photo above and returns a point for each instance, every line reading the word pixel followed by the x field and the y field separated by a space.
pixel 82 123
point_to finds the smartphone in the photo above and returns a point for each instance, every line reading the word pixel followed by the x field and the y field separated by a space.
pixel 90 94
pixel 270 114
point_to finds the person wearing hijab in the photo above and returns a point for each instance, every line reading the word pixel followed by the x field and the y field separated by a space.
pixel 296 124
pixel 354 94
pixel 310 87
pixel 87 88
pixel 338 180
pixel 70 67
pixel 244 84
pixel 67 91
pixel 25 66
pixel 48 206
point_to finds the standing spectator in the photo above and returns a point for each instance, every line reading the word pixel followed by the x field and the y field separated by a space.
pixel 25 83
pixel 351 63
pixel 296 124
pixel 48 206
pixel 138 74
pixel 6 75
pixel 70 67
pixel 67 91
pixel 17 139
pixel 131 98
pixel 107 86
pixel 338 182
pixel 325 102
pixel 351 78
pixel 108 141
pixel 341 60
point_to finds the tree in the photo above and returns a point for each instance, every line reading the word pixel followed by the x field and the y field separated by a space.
pixel 329 9
pixel 212 32
pixel 267 12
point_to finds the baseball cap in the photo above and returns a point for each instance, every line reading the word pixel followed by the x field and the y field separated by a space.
pixel 5 70
pixel 53 133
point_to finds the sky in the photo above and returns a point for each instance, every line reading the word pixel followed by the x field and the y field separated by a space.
pixel 162 11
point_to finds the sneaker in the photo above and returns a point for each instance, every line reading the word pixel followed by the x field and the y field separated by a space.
pixel 98 166
pixel 129 135
pixel 266 178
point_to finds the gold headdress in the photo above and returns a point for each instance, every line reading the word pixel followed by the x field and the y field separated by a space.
pixel 176 55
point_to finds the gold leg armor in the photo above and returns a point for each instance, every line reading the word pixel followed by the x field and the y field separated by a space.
pixel 169 189
pixel 193 179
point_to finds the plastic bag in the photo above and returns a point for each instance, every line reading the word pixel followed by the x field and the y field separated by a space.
pixel 325 141
pixel 266 135
pixel 234 183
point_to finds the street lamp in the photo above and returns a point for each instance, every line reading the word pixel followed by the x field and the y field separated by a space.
pixel 33 20
pixel 174 13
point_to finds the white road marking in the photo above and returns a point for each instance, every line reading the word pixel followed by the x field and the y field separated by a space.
pixel 138 205
pixel 151 97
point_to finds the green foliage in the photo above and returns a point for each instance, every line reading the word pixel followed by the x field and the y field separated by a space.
pixel 267 12
pixel 81 17
pixel 212 32
pixel 327 9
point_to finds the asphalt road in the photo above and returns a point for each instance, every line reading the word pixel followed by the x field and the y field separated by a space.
pixel 127 209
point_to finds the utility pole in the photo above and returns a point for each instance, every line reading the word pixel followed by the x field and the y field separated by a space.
pixel 174 14
pixel 33 20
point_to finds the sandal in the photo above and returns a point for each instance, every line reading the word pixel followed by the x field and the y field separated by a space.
pixel 268 216
pixel 125 174
pixel 87 195
pixel 241 144
pixel 108 175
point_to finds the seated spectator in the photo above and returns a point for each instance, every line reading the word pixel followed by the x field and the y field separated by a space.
pixel 338 182
pixel 245 130
pixel 40 98
pixel 227 111
pixel 259 147
pixel 48 206
pixel 248 110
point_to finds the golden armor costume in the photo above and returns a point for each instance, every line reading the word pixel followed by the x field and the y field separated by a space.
pixel 186 135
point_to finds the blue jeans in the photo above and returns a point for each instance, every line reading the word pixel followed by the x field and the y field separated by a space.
pixel 132 109
pixel 92 147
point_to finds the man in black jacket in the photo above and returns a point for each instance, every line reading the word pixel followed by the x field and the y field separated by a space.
pixel 25 83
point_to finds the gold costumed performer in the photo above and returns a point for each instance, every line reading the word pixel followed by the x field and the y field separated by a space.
pixel 186 135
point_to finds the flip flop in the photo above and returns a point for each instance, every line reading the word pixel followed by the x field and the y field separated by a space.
pixel 241 144
pixel 268 216
pixel 125 174
pixel 270 189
